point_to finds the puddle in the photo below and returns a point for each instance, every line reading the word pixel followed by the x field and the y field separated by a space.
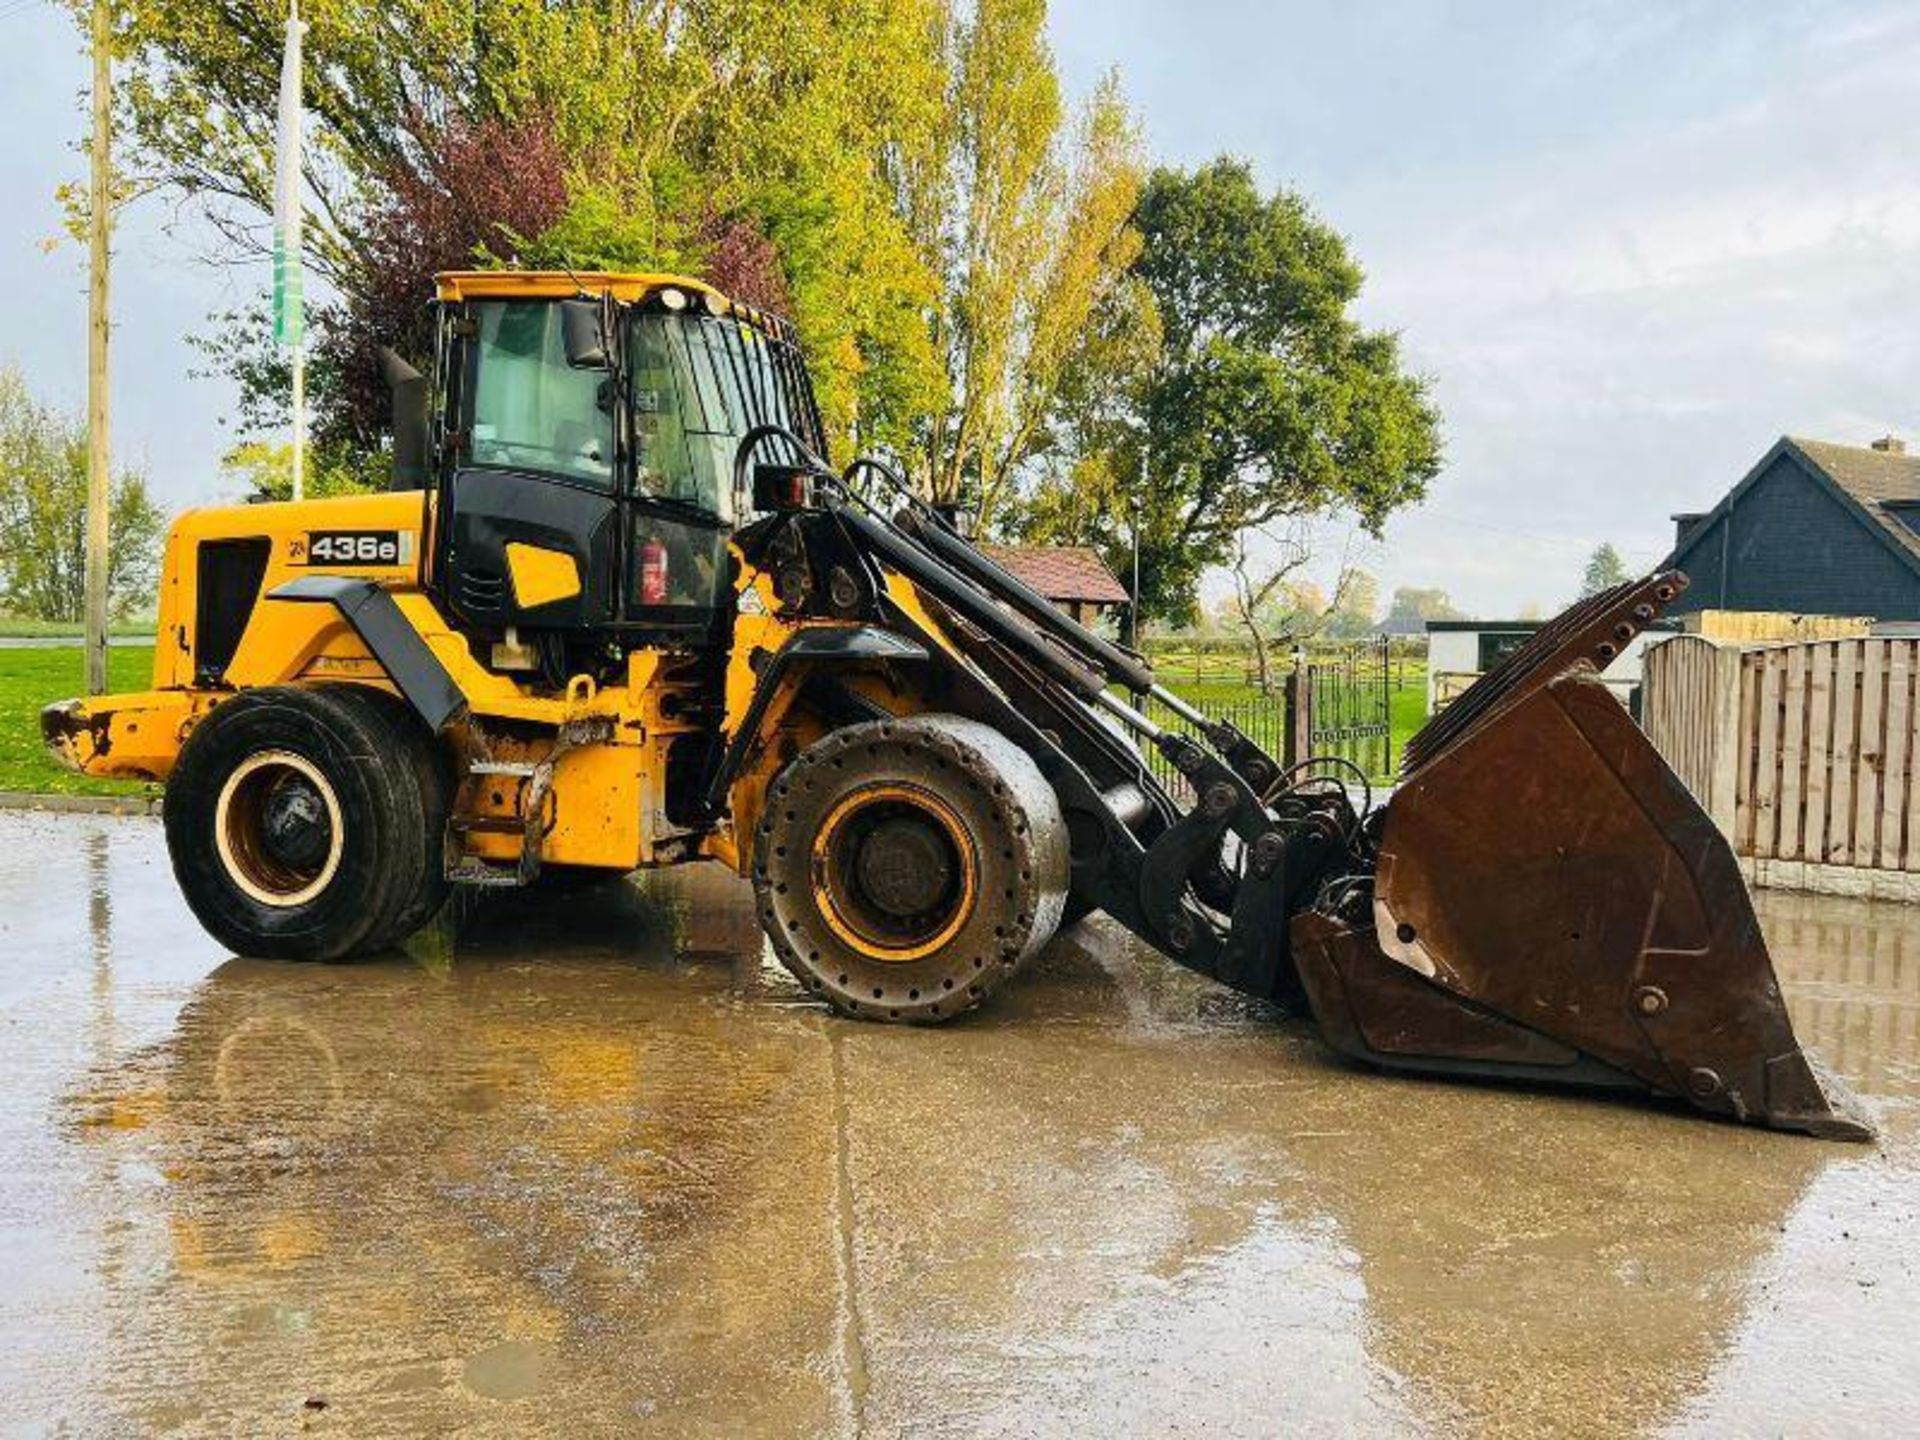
pixel 594 1160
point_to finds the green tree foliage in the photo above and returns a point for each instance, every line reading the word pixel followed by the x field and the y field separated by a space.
pixel 257 470
pixel 1265 401
pixel 1605 569
pixel 1355 610
pixel 43 515
pixel 673 121
pixel 1027 224
pixel 900 177
pixel 1411 608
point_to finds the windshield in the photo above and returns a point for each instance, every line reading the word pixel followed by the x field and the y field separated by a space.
pixel 699 384
pixel 531 410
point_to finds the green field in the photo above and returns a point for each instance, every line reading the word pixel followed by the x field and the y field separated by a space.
pixel 15 627
pixel 1409 706
pixel 31 678
pixel 1219 682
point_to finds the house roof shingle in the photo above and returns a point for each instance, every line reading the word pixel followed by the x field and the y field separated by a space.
pixel 1062 573
pixel 1879 480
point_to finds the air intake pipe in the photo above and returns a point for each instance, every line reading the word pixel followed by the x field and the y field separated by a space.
pixel 409 389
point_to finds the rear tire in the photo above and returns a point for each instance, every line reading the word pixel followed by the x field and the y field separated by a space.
pixel 422 782
pixel 905 869
pixel 286 825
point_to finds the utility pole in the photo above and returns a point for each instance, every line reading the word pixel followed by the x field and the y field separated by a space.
pixel 99 457
pixel 289 314
pixel 1133 609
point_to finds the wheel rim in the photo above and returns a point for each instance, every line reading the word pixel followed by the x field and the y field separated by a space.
pixel 277 828
pixel 894 872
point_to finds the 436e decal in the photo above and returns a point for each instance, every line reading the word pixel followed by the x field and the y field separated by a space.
pixel 355 547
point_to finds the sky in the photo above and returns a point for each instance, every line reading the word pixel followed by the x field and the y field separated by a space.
pixel 1630 243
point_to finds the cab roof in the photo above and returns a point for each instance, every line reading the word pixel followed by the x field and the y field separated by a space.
pixel 626 286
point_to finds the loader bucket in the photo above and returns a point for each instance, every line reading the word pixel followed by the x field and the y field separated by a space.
pixel 1551 904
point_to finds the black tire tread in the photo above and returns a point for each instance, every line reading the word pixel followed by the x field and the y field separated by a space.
pixel 982 773
pixel 423 786
pixel 338 738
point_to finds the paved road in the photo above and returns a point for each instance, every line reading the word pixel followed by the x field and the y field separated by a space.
pixel 594 1162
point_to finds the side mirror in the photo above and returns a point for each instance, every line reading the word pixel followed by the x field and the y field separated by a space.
pixel 585 338
pixel 409 389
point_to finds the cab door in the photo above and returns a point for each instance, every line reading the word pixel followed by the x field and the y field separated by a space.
pixel 687 420
pixel 530 525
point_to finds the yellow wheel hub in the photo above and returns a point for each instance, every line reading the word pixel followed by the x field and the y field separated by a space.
pixel 277 828
pixel 894 872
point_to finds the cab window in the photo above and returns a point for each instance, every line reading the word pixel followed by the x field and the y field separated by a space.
pixel 665 465
pixel 531 410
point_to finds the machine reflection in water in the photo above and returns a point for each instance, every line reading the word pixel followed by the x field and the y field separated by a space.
pixel 596 1159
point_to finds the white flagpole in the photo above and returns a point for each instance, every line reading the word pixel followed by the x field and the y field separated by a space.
pixel 289 318
pixel 299 420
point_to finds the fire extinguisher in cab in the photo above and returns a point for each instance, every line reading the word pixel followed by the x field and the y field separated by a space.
pixel 653 573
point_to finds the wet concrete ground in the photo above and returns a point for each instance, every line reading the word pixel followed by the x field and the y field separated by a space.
pixel 598 1164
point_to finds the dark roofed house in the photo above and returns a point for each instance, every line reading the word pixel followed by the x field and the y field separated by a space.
pixel 1074 577
pixel 1813 529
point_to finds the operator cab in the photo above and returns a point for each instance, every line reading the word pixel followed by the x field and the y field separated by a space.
pixel 583 451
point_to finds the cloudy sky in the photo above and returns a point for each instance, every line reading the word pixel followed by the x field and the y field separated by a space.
pixel 1632 243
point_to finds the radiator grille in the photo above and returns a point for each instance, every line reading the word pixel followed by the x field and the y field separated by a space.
pixel 228 587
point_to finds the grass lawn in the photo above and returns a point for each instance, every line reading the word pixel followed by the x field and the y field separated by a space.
pixel 1407 703
pixel 1408 707
pixel 32 678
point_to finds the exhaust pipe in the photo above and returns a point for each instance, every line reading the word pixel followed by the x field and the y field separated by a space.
pixel 409 389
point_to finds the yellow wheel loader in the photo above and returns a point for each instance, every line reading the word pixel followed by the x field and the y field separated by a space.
pixel 618 611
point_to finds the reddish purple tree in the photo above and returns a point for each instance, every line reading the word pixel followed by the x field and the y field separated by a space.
pixel 484 189
pixel 743 264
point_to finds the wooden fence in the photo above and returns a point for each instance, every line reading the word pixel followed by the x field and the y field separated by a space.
pixel 1804 755
pixel 1761 627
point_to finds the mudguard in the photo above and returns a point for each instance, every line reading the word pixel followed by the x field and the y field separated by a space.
pixel 384 630
pixel 817 645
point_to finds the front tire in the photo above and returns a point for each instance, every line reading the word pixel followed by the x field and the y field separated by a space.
pixel 905 869
pixel 287 825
